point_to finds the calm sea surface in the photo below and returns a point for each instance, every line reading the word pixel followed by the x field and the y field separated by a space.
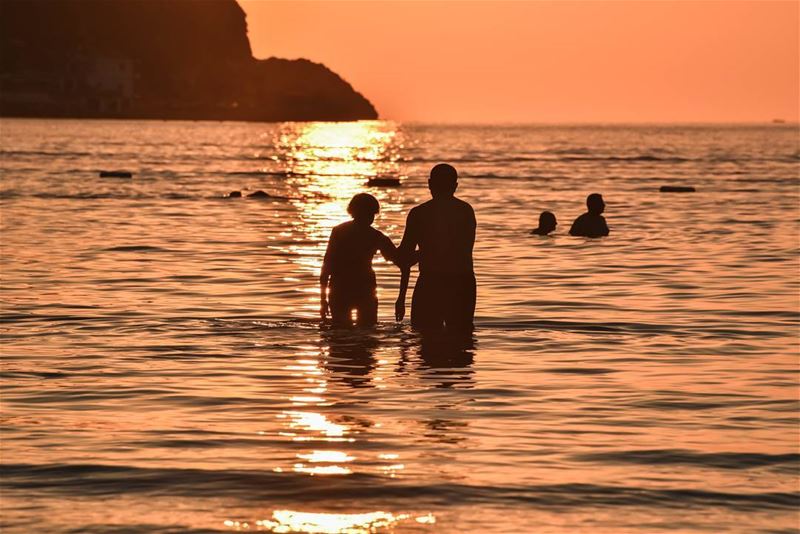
pixel 164 369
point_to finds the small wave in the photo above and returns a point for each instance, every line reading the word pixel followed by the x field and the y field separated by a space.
pixel 259 173
pixel 135 248
pixel 582 370
pixel 643 157
pixel 123 196
pixel 46 153
pixel 64 196
pixel 720 460
pixel 611 328
pixel 787 406
pixel 564 156
pixel 98 480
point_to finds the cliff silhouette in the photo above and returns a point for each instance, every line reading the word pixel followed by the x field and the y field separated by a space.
pixel 160 59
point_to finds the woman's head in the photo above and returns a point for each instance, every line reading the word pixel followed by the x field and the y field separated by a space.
pixel 547 221
pixel 363 207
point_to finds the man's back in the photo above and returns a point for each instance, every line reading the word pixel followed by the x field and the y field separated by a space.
pixel 444 230
pixel 589 225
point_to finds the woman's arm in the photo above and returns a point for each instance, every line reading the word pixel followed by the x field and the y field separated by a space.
pixel 324 278
pixel 404 262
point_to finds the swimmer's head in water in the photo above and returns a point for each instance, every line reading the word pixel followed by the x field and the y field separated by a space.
pixel 595 204
pixel 363 207
pixel 547 221
pixel 443 180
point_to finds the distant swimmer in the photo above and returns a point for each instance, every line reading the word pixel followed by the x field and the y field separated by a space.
pixel 347 266
pixel 591 223
pixel 442 231
pixel 547 224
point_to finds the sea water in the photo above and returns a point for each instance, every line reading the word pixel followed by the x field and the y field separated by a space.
pixel 164 368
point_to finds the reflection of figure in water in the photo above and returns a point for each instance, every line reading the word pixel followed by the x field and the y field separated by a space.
pixel 592 223
pixel 351 356
pixel 442 358
pixel 444 230
pixel 348 265
pixel 448 359
pixel 547 223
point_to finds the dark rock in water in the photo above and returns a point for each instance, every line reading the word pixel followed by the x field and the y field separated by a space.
pixel 116 174
pixel 235 194
pixel 156 59
pixel 677 189
pixel 259 194
pixel 383 182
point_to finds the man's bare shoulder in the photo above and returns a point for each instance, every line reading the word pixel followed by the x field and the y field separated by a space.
pixel 419 211
pixel 425 206
pixel 463 204
pixel 464 209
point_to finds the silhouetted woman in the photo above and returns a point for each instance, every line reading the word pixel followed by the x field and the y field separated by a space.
pixel 348 265
pixel 547 224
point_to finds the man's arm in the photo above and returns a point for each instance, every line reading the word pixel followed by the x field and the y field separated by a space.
pixel 400 304
pixel 407 255
pixel 575 229
pixel 473 226
pixel 605 229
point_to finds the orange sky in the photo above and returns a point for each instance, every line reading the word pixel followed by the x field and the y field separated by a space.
pixel 548 61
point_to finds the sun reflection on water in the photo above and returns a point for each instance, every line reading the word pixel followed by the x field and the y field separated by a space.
pixel 316 423
pixel 327 456
pixel 328 163
pixel 327 523
pixel 305 420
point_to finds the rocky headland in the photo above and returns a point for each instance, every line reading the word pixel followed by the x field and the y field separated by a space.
pixel 156 59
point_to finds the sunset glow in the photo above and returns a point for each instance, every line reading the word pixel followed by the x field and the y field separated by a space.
pixel 548 61
pixel 362 267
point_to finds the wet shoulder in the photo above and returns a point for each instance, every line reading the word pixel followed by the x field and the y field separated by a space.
pixel 464 209
pixel 419 214
pixel 421 209
pixel 464 205
pixel 584 218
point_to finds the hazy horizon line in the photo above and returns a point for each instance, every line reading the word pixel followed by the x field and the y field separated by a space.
pixel 770 122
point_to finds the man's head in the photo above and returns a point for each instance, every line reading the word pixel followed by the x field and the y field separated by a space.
pixel 443 181
pixel 363 207
pixel 547 222
pixel 595 204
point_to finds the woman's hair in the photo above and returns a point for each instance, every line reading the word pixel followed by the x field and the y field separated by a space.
pixel 363 204
pixel 546 217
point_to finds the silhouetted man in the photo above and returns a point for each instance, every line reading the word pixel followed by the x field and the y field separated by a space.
pixel 444 230
pixel 592 223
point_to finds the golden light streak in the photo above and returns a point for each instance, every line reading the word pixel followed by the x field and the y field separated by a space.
pixel 326 456
pixel 285 521
pixel 322 469
pixel 328 163
pixel 318 523
pixel 315 422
